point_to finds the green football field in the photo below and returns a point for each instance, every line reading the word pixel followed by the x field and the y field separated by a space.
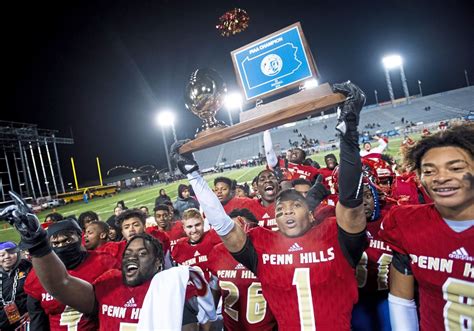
pixel 146 195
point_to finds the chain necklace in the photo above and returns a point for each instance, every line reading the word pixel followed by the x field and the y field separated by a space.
pixel 15 282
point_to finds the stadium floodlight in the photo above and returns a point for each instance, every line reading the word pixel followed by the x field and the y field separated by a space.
pixel 165 118
pixel 392 61
pixel 310 83
pixel 233 101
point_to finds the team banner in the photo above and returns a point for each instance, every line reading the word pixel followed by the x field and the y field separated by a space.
pixel 274 63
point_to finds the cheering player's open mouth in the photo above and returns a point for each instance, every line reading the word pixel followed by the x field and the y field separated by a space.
pixel 270 189
pixel 445 191
pixel 291 223
pixel 131 269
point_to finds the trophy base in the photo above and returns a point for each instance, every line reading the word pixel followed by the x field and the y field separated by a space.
pixel 203 131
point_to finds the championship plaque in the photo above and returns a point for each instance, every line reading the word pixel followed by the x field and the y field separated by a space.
pixel 270 65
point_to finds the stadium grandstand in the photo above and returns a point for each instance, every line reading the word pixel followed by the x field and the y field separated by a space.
pixel 317 133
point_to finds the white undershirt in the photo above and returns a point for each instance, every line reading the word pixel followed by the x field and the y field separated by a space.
pixel 459 226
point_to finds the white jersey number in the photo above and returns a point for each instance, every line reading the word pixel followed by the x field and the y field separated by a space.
pixel 458 311
pixel 256 304
pixel 70 318
pixel 305 299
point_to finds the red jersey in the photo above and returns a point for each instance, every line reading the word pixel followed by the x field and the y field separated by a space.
pixel 162 237
pixel 442 262
pixel 175 233
pixel 296 170
pixel 374 265
pixel 327 178
pixel 244 307
pixel 185 253
pixel 118 305
pixel 306 280
pixel 237 203
pixel 264 215
pixel 407 191
pixel 62 317
pixel 114 248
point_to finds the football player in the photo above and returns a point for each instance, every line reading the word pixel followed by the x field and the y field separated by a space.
pixel 117 296
pixel 96 234
pixel 194 249
pixel 292 167
pixel 306 271
pixel 165 223
pixel 433 244
pixel 244 307
pixel 64 238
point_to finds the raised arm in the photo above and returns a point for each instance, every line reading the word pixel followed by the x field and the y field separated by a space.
pixel 232 236
pixel 270 155
pixel 350 210
pixel 50 270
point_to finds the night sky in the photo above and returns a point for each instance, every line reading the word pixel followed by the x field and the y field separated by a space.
pixel 101 70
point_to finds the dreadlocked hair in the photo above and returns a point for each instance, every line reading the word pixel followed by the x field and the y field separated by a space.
pixel 461 136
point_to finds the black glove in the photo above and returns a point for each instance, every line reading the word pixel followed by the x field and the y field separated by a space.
pixel 349 111
pixel 185 162
pixel 33 236
pixel 316 193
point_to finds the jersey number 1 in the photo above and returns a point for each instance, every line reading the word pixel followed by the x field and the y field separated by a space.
pixel 305 299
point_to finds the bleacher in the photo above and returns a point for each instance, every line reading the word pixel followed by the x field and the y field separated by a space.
pixel 428 109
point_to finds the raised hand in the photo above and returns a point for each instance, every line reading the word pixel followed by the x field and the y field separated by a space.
pixel 349 111
pixel 185 162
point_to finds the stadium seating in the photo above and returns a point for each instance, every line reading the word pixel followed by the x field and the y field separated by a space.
pixel 433 108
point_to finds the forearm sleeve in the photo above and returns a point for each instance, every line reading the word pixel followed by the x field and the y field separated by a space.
pixel 352 245
pixel 272 159
pixel 247 256
pixel 403 316
pixel 211 205
pixel 381 147
pixel 350 171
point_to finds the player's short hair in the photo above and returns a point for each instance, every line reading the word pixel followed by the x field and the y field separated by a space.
pixel 243 212
pixel 225 180
pixel 155 244
pixel 162 207
pixel 192 213
pixel 300 181
pixel 103 227
pixel 255 179
pixel 461 136
pixel 55 217
pixel 290 195
pixel 87 215
pixel 143 207
pixel 264 170
pixel 130 213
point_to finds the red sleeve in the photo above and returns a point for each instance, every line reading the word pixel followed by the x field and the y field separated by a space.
pixel 32 285
pixel 391 231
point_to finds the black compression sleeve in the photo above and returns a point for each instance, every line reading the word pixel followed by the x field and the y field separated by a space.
pixel 247 256
pixel 352 245
pixel 402 263
pixel 350 170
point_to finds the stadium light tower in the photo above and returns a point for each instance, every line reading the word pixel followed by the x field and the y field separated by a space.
pixel 233 101
pixel 394 62
pixel 164 119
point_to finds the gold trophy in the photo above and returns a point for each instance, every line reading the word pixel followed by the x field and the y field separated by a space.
pixel 204 96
